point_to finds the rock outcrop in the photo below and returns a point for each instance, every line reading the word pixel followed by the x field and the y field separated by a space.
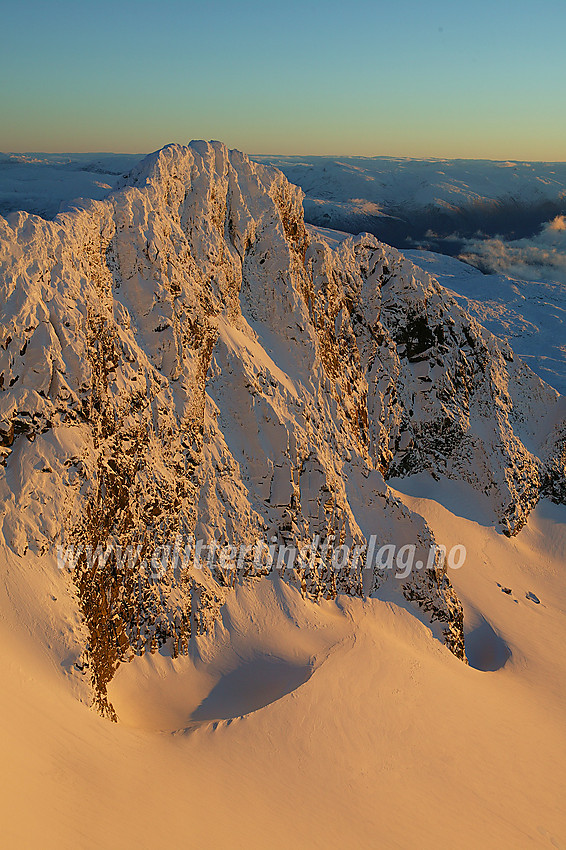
pixel 185 360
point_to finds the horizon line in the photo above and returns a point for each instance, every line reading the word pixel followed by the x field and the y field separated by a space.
pixel 294 155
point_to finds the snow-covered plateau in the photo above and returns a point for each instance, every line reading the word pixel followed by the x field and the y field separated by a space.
pixel 182 356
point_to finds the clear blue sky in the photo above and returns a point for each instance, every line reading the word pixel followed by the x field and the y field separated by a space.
pixel 483 78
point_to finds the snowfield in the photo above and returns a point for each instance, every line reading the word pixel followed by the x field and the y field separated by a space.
pixel 181 355
pixel 389 741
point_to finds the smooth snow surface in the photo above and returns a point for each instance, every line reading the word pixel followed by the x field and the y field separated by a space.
pixel 380 737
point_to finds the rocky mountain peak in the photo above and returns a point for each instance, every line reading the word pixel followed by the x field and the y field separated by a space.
pixel 185 359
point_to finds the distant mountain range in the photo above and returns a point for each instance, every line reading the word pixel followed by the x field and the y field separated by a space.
pixel 436 204
pixel 408 203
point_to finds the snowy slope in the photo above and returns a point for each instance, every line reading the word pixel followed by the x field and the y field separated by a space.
pixel 183 358
pixel 391 741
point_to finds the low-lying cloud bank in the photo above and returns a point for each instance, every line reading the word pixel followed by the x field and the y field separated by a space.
pixel 542 257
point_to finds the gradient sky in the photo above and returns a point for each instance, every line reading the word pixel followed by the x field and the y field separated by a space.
pixel 483 78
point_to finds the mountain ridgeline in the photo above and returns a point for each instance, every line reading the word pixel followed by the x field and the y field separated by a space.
pixel 186 358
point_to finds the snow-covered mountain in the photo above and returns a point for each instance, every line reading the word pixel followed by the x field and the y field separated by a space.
pixel 435 203
pixel 185 358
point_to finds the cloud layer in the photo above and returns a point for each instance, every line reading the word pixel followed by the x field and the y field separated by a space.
pixel 543 257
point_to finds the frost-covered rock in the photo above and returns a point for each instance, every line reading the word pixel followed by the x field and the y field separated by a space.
pixel 183 358
pixel 444 394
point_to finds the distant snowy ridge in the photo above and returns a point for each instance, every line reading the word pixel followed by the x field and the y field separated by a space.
pixel 183 357
pixel 44 184
pixel 434 203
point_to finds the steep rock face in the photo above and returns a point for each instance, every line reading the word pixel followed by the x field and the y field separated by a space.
pixel 444 394
pixel 184 359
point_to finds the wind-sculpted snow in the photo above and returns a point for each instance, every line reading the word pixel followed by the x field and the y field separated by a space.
pixel 183 358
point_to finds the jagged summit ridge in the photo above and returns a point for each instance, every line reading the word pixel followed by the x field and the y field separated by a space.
pixel 185 357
